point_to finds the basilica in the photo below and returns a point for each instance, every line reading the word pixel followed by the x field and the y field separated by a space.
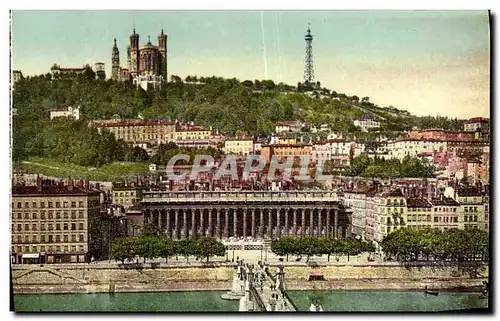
pixel 147 65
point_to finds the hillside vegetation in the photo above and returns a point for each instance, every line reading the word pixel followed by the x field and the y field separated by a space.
pixel 228 105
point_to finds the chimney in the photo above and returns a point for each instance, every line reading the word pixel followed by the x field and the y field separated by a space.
pixel 39 184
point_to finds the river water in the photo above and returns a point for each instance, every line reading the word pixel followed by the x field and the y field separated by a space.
pixel 210 301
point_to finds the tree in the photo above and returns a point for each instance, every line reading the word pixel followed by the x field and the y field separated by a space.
pixel 208 247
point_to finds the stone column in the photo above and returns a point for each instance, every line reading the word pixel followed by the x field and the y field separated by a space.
pixel 176 223
pixel 235 223
pixel 320 223
pixel 217 223
pixel 286 221
pixel 245 223
pixel 303 228
pixel 210 227
pixel 159 220
pixel 193 223
pixel 226 223
pixel 253 223
pixel 311 222
pixel 294 222
pixel 185 223
pixel 278 223
pixel 202 226
pixel 327 223
pixel 335 223
pixel 261 226
pixel 168 224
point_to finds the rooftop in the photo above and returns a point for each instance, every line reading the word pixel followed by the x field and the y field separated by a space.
pixel 417 202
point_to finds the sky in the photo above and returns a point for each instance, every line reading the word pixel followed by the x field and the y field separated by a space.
pixel 426 62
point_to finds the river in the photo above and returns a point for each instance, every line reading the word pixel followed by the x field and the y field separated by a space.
pixel 210 301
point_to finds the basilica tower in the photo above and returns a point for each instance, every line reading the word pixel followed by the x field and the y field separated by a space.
pixel 162 45
pixel 115 62
pixel 134 54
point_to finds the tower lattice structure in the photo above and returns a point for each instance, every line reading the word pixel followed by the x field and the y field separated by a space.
pixel 309 66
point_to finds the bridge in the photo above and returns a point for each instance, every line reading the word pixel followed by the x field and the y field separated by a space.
pixel 258 290
pixel 246 214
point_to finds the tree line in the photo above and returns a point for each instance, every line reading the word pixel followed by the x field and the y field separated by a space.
pixel 309 246
pixel 366 166
pixel 433 244
pixel 151 246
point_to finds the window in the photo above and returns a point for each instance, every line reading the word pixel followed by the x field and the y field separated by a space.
pixel 58 238
pixel 50 240
pixel 42 248
pixel 34 238
pixel 65 204
pixel 73 238
pixel 42 238
pixel 18 204
pixel 80 226
pixel 58 204
pixel 42 226
pixel 19 227
pixel 428 218
pixel 435 209
pixel 80 204
pixel 82 248
pixel 50 204
pixel 34 227
pixel 475 218
pixel 19 216
pixel 65 238
pixel 465 218
pixel 19 239
pixel 66 215
pixel 65 226
pixel 80 214
pixel 435 219
pixel 33 205
pixel 73 214
pixel 42 204
pixel 26 238
pixel 42 215
pixel 26 205
pixel 58 226
pixel 58 248
pixel 455 219
pixel 26 216
pixel 26 227
pixel 51 215
pixel 81 238
pixel 73 226
pixel 58 215
pixel 34 216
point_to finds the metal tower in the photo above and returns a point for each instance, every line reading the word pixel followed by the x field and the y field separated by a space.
pixel 309 67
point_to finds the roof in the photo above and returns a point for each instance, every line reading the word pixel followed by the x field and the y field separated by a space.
pixel 20 190
pixel 477 120
pixel 417 202
pixel 446 201
pixel 468 191
pixel 132 123
pixel 286 145
pixel 394 193
pixel 239 139
pixel 197 129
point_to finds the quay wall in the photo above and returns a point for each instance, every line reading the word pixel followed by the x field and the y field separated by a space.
pixel 191 277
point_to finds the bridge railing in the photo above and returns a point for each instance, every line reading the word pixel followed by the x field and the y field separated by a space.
pixel 285 294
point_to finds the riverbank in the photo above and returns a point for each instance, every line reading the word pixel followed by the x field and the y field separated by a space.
pixel 218 277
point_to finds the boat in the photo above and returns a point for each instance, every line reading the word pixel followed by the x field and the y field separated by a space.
pixel 427 291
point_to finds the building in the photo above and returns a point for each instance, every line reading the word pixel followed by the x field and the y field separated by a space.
pixel 154 132
pixel 366 123
pixel 288 127
pixel 239 146
pixel 356 200
pixel 282 139
pixel 320 153
pixel 477 123
pixel 126 194
pixel 192 136
pixel 147 65
pixel 283 151
pixel 100 72
pixel 472 207
pixel 418 214
pixel 16 76
pixel 446 213
pixel 54 223
pixel 72 112
pixel 57 70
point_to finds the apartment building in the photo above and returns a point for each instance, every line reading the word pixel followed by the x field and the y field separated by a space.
pixel 126 194
pixel 155 132
pixel 53 223
pixel 239 146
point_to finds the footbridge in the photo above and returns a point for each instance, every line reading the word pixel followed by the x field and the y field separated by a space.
pixel 257 289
